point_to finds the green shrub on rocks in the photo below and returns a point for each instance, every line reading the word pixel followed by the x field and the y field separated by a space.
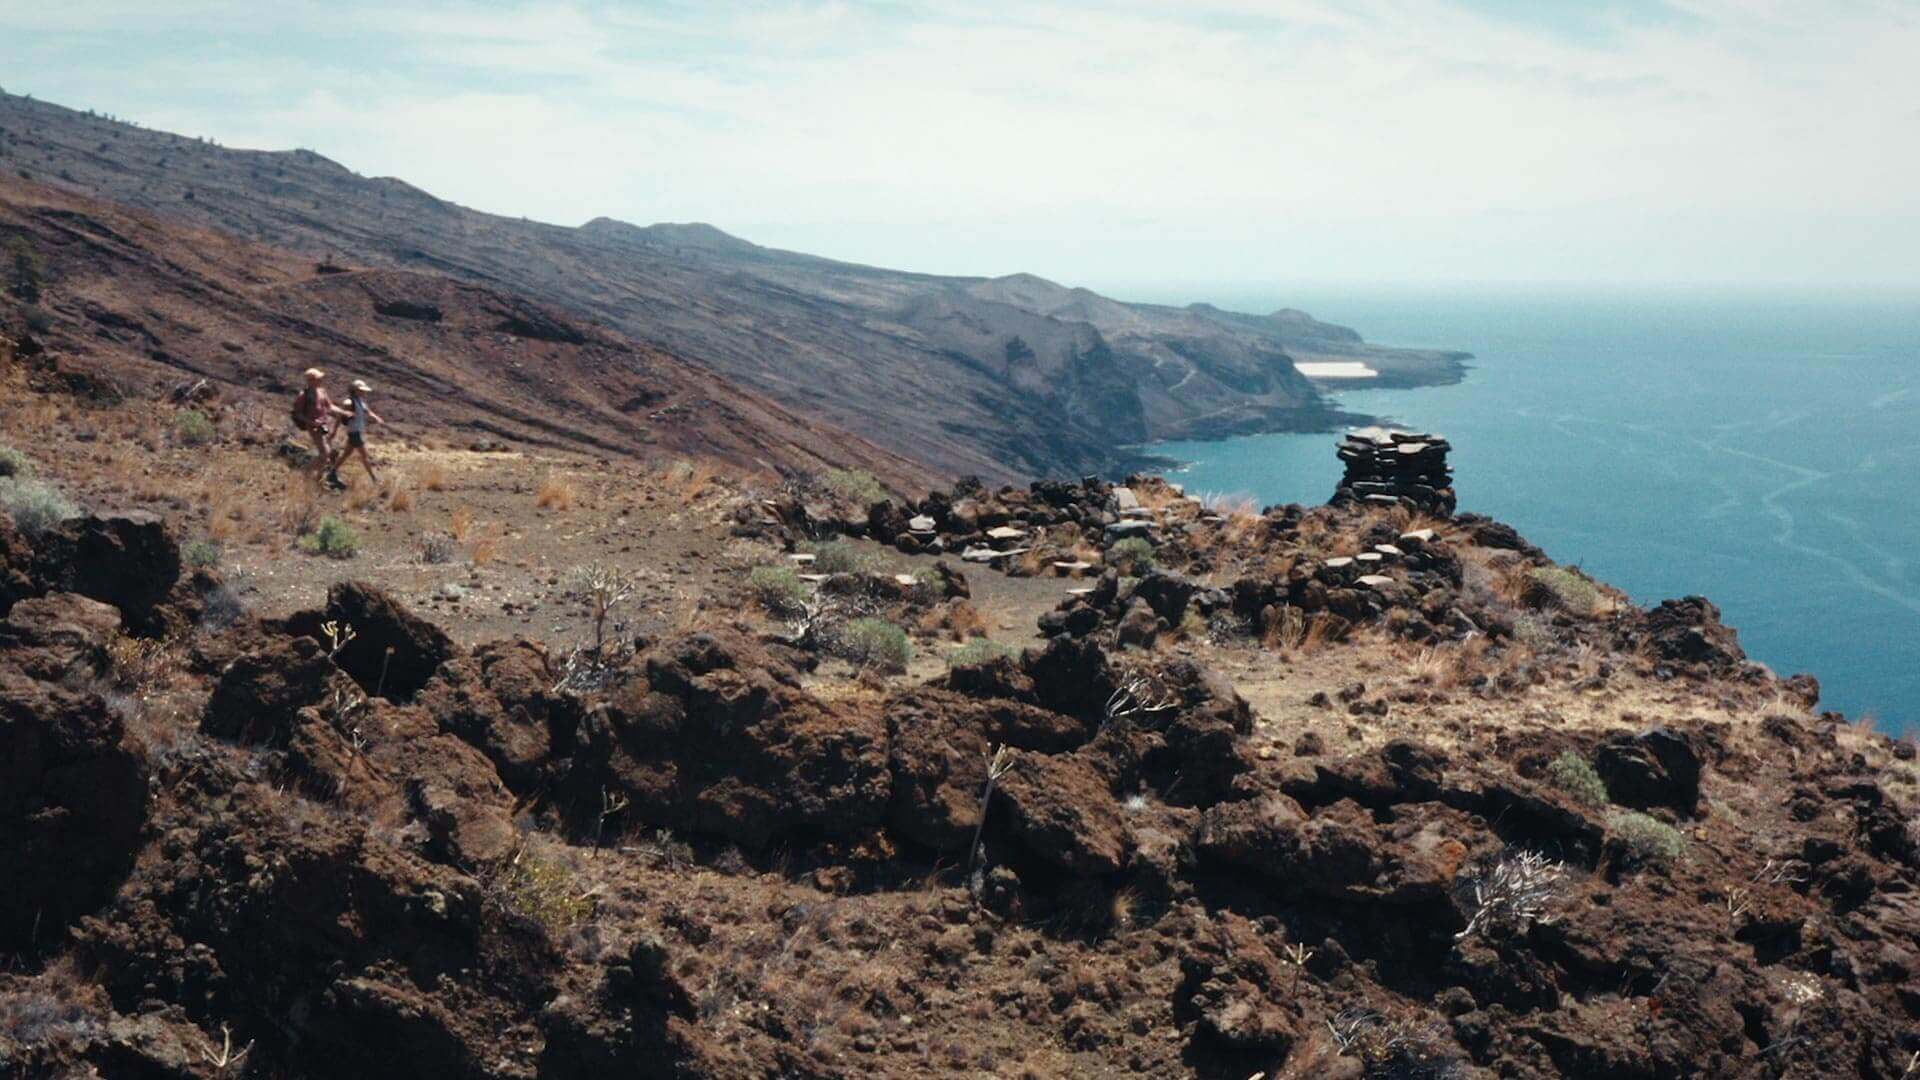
pixel 871 642
pixel 201 553
pixel 193 428
pixel 542 891
pixel 838 557
pixel 979 651
pixel 854 485
pixel 1133 556
pixel 333 538
pixel 778 589
pixel 36 508
pixel 14 463
pixel 1572 774
pixel 1648 840
pixel 1557 586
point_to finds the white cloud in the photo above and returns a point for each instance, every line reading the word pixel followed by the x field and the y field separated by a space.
pixel 1720 139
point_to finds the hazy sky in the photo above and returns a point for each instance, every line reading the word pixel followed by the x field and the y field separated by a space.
pixel 1120 143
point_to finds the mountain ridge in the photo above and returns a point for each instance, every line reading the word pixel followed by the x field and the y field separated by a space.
pixel 837 340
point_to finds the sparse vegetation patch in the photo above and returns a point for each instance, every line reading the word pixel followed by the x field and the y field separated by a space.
pixel 1559 587
pixel 979 651
pixel 855 485
pixel 1649 841
pixel 1573 774
pixel 838 557
pixel 193 428
pixel 876 643
pixel 36 507
pixel 778 589
pixel 13 463
pixel 201 553
pixel 331 537
pixel 1133 555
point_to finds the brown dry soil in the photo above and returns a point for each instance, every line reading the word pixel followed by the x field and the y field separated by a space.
pixel 1245 809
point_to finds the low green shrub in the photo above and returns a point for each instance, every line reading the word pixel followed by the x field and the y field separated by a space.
pixel 201 553
pixel 1557 586
pixel 14 463
pixel 1573 774
pixel 854 485
pixel 193 428
pixel 838 557
pixel 543 892
pixel 871 642
pixel 37 508
pixel 979 651
pixel 1133 555
pixel 778 589
pixel 1650 841
pixel 331 537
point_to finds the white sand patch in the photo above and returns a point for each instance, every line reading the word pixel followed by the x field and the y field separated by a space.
pixel 1334 369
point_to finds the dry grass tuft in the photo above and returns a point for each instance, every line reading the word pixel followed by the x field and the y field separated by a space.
pixel 400 498
pixel 299 505
pixel 435 478
pixel 360 496
pixel 486 546
pixel 689 480
pixel 958 619
pixel 555 493
pixel 460 524
pixel 1323 629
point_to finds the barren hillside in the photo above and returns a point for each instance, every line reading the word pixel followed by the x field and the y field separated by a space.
pixel 1004 378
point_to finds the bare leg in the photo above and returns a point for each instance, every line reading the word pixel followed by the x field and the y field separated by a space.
pixel 322 453
pixel 367 461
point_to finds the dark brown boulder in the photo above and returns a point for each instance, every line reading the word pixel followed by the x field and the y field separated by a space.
pixel 59 636
pixel 1139 626
pixel 1061 809
pixel 127 560
pixel 1658 767
pixel 73 798
pixel 938 743
pixel 718 738
pixel 1167 594
pixel 392 653
pixel 500 700
pixel 258 694
pixel 1689 631
pixel 16 566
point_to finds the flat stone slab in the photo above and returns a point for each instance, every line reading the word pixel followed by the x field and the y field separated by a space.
pixel 1124 499
pixel 921 524
pixel 1082 591
pixel 1388 550
pixel 1140 513
pixel 1374 581
pixel 1339 562
pixel 905 579
pixel 1005 532
pixel 1369 557
pixel 801 559
pixel 1120 530
pixel 815 578
pixel 1419 536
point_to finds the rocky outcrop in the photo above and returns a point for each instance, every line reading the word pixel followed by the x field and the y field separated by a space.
pixel 73 784
pixel 1390 467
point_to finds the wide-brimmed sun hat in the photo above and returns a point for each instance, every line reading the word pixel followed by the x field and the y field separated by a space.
pixel 361 385
pixel 314 374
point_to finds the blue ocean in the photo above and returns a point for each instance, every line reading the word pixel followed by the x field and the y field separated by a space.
pixel 1759 448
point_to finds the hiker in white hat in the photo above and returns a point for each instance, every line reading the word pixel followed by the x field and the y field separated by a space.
pixel 315 416
pixel 358 412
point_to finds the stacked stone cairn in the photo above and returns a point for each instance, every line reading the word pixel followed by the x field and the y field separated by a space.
pixel 1388 466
